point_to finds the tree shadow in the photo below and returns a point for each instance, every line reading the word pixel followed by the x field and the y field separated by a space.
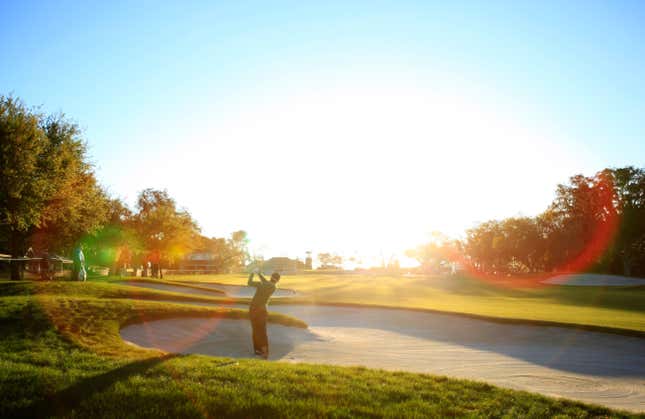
pixel 70 398
pixel 620 298
pixel 24 325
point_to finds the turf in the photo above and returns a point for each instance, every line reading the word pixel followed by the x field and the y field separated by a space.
pixel 103 289
pixel 61 355
pixel 606 308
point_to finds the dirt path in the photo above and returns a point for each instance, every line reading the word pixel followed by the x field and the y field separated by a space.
pixel 588 366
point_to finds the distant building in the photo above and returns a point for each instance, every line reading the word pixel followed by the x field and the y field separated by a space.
pixel 200 261
pixel 282 265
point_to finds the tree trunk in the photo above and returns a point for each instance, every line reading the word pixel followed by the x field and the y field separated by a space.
pixel 627 271
pixel 16 247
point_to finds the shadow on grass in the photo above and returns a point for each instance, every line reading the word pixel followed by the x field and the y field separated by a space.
pixel 70 398
pixel 609 297
pixel 15 288
pixel 30 337
pixel 620 298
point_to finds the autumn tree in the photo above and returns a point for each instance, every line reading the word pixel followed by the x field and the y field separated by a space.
pixel 594 223
pixel 229 255
pixel 48 192
pixel 161 226
pixel 586 214
pixel 78 206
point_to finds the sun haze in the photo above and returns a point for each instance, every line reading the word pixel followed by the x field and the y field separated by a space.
pixel 344 128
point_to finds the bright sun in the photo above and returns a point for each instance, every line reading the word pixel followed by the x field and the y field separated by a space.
pixel 369 168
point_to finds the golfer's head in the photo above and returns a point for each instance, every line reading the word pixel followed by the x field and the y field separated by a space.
pixel 275 277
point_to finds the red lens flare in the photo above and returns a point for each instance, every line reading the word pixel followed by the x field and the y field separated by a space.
pixel 600 233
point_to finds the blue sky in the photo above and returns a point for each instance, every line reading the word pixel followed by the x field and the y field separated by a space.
pixel 356 127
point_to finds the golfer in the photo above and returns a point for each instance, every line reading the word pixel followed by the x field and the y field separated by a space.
pixel 258 311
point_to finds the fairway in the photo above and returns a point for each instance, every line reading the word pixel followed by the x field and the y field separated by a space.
pixel 603 308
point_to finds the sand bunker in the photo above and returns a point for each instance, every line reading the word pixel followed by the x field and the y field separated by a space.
pixel 589 366
pixel 595 280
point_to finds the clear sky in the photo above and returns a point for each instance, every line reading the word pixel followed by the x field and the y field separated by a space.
pixel 355 127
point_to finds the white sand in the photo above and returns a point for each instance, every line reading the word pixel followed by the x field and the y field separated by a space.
pixel 595 280
pixel 588 366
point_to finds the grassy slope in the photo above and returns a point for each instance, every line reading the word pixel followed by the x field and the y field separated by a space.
pixel 206 290
pixel 102 289
pixel 61 354
pixel 605 307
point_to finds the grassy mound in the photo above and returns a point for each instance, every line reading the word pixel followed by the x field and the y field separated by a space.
pixel 61 355
pixel 103 289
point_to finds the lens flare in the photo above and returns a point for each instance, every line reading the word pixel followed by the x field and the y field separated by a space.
pixel 600 233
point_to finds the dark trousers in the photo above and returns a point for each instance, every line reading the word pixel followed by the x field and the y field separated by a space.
pixel 258 317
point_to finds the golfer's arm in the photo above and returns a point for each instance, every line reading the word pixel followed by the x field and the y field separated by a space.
pixel 251 282
pixel 262 277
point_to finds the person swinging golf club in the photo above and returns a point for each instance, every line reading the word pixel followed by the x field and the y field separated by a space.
pixel 258 310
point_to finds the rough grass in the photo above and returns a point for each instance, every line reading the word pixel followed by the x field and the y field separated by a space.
pixel 103 289
pixel 618 308
pixel 61 355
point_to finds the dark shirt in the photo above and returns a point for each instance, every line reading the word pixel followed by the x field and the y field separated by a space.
pixel 263 292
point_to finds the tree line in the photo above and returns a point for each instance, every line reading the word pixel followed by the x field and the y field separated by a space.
pixel 595 223
pixel 50 200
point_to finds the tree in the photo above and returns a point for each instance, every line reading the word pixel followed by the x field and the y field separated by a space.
pixel 329 261
pixel 483 246
pixel 628 254
pixel 595 222
pixel 106 246
pixel 435 254
pixel 48 192
pixel 238 244
pixel 229 254
pixel 24 185
pixel 161 226
pixel 586 215
pixel 78 205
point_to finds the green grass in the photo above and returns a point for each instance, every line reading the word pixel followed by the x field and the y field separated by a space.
pixel 61 355
pixel 194 285
pixel 103 289
pixel 619 308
